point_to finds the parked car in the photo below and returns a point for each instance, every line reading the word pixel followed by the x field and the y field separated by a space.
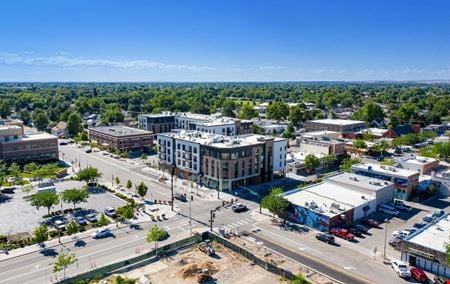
pixel 355 232
pixel 401 234
pixel 394 242
pixel 325 238
pixel 8 190
pixel 238 207
pixel 363 229
pixel 402 206
pixel 388 209
pixel 411 230
pixel 419 225
pixel 370 222
pixel 80 220
pixel 400 268
pixel 418 274
pixel 342 233
pixel 438 213
pixel 101 233
pixel 429 218
pixel 91 217
pixel 58 224
pixel 109 211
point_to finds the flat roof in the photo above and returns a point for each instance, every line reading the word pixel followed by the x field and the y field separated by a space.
pixel 119 130
pixel 359 181
pixel 385 170
pixel 327 198
pixel 418 160
pixel 31 137
pixel 337 121
pixel 320 132
pixel 163 114
pixel 434 236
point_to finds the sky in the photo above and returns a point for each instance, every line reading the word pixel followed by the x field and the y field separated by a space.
pixel 224 40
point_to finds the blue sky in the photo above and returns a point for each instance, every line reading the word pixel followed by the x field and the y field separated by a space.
pixel 218 40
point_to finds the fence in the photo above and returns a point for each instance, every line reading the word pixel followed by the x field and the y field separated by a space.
pixel 137 261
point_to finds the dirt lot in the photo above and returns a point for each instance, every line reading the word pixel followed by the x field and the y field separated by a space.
pixel 224 267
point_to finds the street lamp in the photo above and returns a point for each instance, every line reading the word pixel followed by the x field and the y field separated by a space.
pixel 385 237
pixel 171 184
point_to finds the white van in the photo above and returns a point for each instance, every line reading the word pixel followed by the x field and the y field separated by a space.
pixel 388 209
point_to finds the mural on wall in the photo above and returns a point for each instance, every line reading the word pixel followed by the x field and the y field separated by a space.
pixel 309 218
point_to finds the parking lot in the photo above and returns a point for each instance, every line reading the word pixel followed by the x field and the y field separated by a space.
pixel 18 216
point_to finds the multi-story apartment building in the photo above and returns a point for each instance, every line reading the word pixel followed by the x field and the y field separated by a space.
pixel 405 181
pixel 16 146
pixel 215 123
pixel 122 138
pixel 222 162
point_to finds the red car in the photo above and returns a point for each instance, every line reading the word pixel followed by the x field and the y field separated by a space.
pixel 342 233
pixel 370 222
pixel 418 275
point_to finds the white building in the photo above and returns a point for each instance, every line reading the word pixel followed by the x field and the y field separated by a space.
pixel 423 165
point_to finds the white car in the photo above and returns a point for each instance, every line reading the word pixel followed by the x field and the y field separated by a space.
pixel 59 225
pixel 101 233
pixel 402 234
pixel 400 268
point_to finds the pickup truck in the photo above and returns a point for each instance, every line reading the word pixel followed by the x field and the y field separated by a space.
pixel 342 233
pixel 400 205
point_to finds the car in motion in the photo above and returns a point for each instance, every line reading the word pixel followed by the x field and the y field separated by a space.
pixel 91 217
pixel 342 233
pixel 180 197
pixel 80 220
pixel 325 238
pixel 101 233
pixel 238 207
pixel 400 268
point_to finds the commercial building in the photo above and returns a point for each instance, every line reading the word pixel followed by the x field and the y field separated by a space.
pixel 16 146
pixel 339 200
pixel 405 181
pixel 60 130
pixel 122 138
pixel 338 125
pixel 425 248
pixel 422 165
pixel 219 161
pixel 321 148
pixel 214 123
pixel 320 135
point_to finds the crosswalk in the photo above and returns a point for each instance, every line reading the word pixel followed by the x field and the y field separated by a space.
pixel 238 224
pixel 182 224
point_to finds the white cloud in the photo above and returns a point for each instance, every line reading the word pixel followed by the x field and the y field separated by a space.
pixel 271 67
pixel 65 60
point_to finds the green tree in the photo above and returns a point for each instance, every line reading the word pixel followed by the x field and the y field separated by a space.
pixel 144 156
pixel 102 221
pixel 387 162
pixel 117 180
pixel 63 261
pixel 277 111
pixel 407 112
pixel 142 189
pixel 447 249
pixel 30 167
pixel 45 199
pixel 369 112
pixel 27 188
pixel 348 163
pixel 40 121
pixel 74 125
pixel 275 203
pixel 156 234
pixel 126 212
pixel 359 144
pixel 129 184
pixel 25 116
pixel 228 108
pixel 311 162
pixel 89 175
pixel 247 112
pixel 41 234
pixel 297 114
pixel 5 108
pixel 75 196
pixel 14 170
pixel 72 228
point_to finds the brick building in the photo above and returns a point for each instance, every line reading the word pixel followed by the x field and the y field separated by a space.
pixel 122 138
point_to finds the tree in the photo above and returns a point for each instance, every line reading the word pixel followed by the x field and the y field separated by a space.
pixel 63 261
pixel 359 144
pixel 388 162
pixel 129 184
pixel 25 116
pixel 102 221
pixel 277 111
pixel 41 234
pixel 45 199
pixel 75 196
pixel 369 112
pixel 126 212
pixel 5 108
pixel 40 121
pixel 447 249
pixel 14 170
pixel 144 156
pixel 74 125
pixel 156 234
pixel 84 136
pixel 297 114
pixel 247 112
pixel 275 203
pixel 117 180
pixel 142 189
pixel 348 163
pixel 407 112
pixel 311 162
pixel 89 175
pixel 27 188
pixel 30 167
pixel 72 228
pixel 228 108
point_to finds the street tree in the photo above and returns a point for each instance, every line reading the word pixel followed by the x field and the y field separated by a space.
pixel 129 184
pixel 275 203
pixel 41 234
pixel 27 188
pixel 126 212
pixel 348 163
pixel 75 196
pixel 45 199
pixel 311 162
pixel 72 228
pixel 117 180
pixel 102 221
pixel 74 125
pixel 156 234
pixel 89 175
pixel 14 170
pixel 63 261
pixel 142 189
pixel 30 167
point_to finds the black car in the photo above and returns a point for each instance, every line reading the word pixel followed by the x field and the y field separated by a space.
pixel 355 232
pixel 419 225
pixel 62 143
pixel 363 229
pixel 325 238
pixel 8 190
pixel 181 197
pixel 88 151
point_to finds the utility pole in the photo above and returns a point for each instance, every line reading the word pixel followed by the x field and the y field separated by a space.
pixel 171 185
pixel 211 219
pixel 190 214
pixel 385 237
